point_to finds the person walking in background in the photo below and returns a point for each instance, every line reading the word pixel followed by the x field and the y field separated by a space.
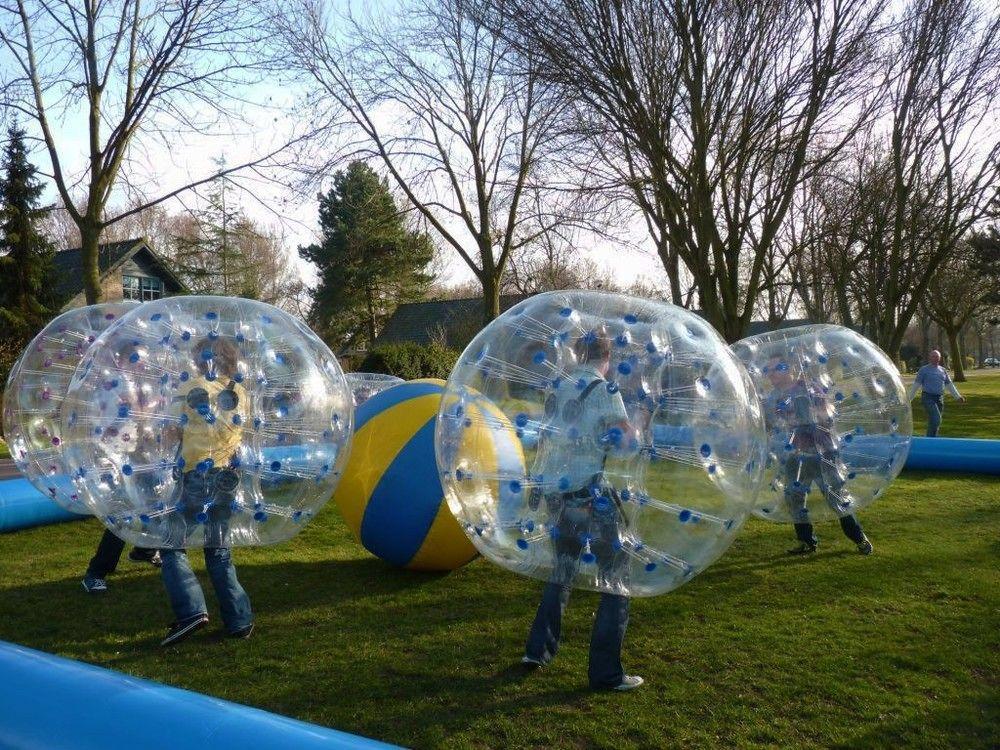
pixel 932 378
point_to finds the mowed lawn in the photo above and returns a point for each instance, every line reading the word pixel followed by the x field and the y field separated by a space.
pixel 901 649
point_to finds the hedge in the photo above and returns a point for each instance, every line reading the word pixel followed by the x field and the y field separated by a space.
pixel 409 360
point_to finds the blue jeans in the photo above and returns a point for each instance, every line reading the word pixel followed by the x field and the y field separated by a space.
pixel 596 521
pixel 606 637
pixel 934 406
pixel 186 597
pixel 205 498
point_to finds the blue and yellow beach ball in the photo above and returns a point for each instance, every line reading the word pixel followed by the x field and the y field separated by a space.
pixel 390 493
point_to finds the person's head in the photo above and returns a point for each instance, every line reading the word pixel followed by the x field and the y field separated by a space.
pixel 779 372
pixel 934 357
pixel 594 349
pixel 217 356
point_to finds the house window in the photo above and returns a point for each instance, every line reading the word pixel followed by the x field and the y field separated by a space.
pixel 141 288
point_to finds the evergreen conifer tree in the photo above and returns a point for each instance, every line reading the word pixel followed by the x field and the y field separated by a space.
pixel 27 296
pixel 368 261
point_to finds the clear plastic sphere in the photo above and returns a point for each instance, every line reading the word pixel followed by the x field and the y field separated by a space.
pixel 35 393
pixel 642 436
pixel 364 385
pixel 207 421
pixel 838 421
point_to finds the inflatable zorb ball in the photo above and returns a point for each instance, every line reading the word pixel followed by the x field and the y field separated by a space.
pixel 207 421
pixel 364 385
pixel 838 421
pixel 642 436
pixel 35 393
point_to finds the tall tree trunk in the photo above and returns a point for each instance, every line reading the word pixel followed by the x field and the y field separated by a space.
pixel 671 264
pixel 954 345
pixel 370 300
pixel 491 298
pixel 90 238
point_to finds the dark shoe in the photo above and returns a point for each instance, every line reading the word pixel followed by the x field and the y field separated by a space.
pixel 803 549
pixel 243 633
pixel 94 585
pixel 531 661
pixel 865 546
pixel 151 556
pixel 183 628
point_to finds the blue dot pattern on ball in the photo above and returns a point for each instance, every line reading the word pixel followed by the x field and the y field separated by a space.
pixel 633 415
pixel 218 406
pixel 840 425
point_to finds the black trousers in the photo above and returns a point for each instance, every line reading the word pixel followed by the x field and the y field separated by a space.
pixel 109 552
pixel 848 524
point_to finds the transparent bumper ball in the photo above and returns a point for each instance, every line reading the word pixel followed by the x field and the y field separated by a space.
pixel 364 385
pixel 838 421
pixel 207 421
pixel 642 438
pixel 36 391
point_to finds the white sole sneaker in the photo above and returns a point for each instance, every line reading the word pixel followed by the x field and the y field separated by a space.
pixel 98 586
pixel 180 632
pixel 629 682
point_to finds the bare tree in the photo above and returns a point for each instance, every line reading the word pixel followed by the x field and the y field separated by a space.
pixel 944 150
pixel 921 176
pixel 551 263
pixel 428 92
pixel 710 111
pixel 155 69
pixel 955 294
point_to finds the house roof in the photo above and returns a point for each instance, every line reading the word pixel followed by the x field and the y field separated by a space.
pixel 111 255
pixel 763 326
pixel 460 319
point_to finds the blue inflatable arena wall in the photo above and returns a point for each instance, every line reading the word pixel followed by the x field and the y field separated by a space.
pixel 954 454
pixel 22 505
pixel 53 703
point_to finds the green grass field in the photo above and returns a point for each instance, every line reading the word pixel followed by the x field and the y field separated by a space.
pixel 978 417
pixel 901 649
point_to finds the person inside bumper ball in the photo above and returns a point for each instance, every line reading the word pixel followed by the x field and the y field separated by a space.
pixel 586 421
pixel 214 410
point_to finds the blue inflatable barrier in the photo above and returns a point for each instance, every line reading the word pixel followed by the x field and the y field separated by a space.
pixel 22 505
pixel 954 454
pixel 54 703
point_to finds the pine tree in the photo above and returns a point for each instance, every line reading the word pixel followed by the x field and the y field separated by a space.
pixel 27 297
pixel 211 260
pixel 368 260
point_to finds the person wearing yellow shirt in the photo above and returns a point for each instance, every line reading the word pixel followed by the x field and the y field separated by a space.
pixel 214 410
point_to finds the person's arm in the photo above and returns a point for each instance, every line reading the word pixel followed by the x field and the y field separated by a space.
pixel 951 388
pixel 914 385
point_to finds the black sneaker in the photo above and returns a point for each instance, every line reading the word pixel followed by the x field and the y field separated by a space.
pixel 803 549
pixel 183 628
pixel 93 585
pixel 243 633
pixel 865 546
